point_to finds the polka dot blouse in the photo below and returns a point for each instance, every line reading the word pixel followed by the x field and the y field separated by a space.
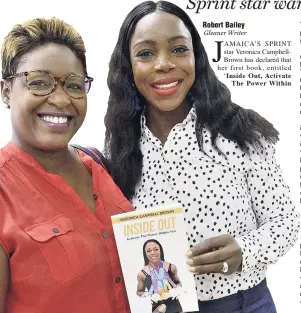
pixel 243 195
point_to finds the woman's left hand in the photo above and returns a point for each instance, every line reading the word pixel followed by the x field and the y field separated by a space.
pixel 209 256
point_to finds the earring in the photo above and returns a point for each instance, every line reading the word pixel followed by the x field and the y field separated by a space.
pixel 6 101
pixel 133 84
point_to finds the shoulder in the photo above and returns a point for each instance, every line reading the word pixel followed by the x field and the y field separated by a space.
pixel 141 275
pixel 263 152
pixel 173 268
pixel 4 156
pixel 168 266
pixel 264 148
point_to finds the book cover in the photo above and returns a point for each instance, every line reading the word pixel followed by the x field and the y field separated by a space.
pixel 151 245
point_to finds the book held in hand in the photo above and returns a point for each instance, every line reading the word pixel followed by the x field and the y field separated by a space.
pixel 151 245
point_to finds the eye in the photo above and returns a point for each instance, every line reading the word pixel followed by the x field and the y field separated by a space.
pixel 145 54
pixel 180 50
pixel 38 84
pixel 74 87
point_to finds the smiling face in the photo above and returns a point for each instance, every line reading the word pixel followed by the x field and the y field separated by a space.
pixel 162 60
pixel 153 252
pixel 45 122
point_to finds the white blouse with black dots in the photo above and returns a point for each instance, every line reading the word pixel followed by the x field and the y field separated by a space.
pixel 243 195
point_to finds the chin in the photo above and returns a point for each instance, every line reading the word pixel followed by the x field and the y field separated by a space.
pixel 52 145
pixel 167 107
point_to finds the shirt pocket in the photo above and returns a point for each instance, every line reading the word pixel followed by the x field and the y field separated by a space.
pixel 67 252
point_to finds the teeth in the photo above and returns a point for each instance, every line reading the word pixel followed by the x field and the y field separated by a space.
pixel 55 119
pixel 167 85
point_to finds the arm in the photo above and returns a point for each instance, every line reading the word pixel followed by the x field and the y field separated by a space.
pixel 176 274
pixel 140 286
pixel 4 278
pixel 277 219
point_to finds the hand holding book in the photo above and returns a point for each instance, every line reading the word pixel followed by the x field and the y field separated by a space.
pixel 210 255
pixel 160 309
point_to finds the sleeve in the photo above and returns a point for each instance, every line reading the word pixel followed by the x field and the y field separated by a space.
pixel 277 219
pixel 2 241
pixel 7 227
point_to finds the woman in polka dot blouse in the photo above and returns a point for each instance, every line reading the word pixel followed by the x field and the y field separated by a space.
pixel 173 134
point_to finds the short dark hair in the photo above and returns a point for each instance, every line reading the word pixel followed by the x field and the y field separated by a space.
pixel 24 38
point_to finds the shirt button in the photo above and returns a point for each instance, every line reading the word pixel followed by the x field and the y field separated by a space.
pixel 105 235
pixel 55 230
pixel 95 197
pixel 117 279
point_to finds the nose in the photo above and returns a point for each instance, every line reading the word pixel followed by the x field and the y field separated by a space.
pixel 164 64
pixel 59 97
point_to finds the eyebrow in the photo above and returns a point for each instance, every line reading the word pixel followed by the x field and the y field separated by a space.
pixel 153 43
pixel 174 38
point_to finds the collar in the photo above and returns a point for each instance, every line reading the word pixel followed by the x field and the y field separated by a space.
pixel 145 130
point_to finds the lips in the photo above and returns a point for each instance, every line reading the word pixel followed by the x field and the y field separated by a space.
pixel 55 117
pixel 166 87
pixel 55 121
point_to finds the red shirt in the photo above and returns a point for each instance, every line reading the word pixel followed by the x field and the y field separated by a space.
pixel 63 258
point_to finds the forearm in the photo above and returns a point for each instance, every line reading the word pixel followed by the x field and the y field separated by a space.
pixel 276 217
pixel 270 241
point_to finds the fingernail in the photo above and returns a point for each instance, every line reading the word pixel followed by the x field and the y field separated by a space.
pixel 189 262
pixel 188 253
pixel 191 269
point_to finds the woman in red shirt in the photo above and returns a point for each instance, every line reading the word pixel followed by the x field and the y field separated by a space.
pixel 57 249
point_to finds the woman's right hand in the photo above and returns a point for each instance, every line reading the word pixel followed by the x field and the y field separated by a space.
pixel 145 294
pixel 160 309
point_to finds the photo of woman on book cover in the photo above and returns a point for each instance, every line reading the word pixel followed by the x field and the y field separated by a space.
pixel 159 279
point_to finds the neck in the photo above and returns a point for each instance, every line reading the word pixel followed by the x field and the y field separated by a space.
pixel 154 264
pixel 161 123
pixel 53 161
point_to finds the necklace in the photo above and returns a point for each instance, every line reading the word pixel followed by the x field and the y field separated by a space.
pixel 161 281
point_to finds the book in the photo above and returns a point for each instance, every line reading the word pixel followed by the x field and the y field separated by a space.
pixel 151 244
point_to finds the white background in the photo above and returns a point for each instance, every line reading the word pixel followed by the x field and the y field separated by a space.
pixel 98 22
